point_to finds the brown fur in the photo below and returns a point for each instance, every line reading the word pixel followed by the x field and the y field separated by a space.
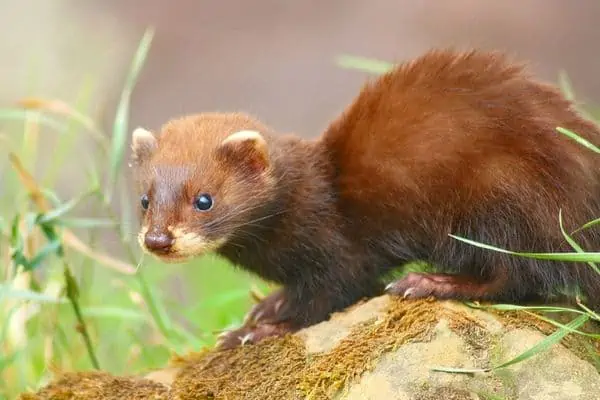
pixel 451 143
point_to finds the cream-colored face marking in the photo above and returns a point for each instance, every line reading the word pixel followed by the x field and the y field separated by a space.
pixel 141 236
pixel 186 245
pixel 190 244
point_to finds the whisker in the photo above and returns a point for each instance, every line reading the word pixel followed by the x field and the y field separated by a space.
pixel 232 213
pixel 254 221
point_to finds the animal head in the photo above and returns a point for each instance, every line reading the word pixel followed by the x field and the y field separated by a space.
pixel 201 181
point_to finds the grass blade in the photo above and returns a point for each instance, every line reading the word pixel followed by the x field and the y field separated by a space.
pixel 589 311
pixel 30 143
pixel 548 342
pixel 563 326
pixel 586 226
pixel 63 109
pixel 578 139
pixel 565 85
pixel 54 214
pixel 27 295
pixel 72 292
pixel 573 243
pixel 512 307
pixel 69 238
pixel 47 250
pixel 88 223
pixel 22 115
pixel 52 197
pixel 451 370
pixel 369 65
pixel 158 313
pixel 540 347
pixel 72 241
pixel 120 125
pixel 571 257
pixel 6 361
pixel 126 221
pixel 113 312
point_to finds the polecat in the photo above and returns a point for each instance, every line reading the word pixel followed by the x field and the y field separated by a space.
pixel 460 143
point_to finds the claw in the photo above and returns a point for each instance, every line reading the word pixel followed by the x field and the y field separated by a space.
pixel 389 286
pixel 278 305
pixel 246 338
pixel 408 292
pixel 258 316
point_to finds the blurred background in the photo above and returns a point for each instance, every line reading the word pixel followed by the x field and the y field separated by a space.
pixel 275 59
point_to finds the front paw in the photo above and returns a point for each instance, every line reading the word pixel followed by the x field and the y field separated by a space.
pixel 250 334
pixel 268 311
pixel 414 286
pixel 417 285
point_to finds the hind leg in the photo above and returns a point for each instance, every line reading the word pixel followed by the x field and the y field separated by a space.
pixel 449 286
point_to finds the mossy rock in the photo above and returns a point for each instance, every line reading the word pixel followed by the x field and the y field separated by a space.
pixel 385 348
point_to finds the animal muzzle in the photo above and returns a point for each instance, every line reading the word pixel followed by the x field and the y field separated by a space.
pixel 159 241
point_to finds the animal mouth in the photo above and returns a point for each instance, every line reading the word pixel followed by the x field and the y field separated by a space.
pixel 171 257
pixel 177 245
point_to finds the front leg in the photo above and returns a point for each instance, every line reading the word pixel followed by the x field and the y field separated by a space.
pixel 292 308
pixel 448 286
pixel 272 316
pixel 266 318
pixel 267 310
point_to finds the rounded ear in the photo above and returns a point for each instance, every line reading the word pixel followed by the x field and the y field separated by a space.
pixel 246 149
pixel 143 144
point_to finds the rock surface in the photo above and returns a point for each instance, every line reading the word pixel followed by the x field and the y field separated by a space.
pixel 385 348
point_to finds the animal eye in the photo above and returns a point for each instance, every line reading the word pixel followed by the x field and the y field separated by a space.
pixel 145 202
pixel 203 202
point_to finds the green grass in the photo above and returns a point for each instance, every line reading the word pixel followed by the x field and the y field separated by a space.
pixel 135 310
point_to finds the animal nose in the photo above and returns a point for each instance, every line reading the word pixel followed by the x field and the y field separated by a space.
pixel 158 241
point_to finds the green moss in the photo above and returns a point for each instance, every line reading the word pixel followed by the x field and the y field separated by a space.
pixel 281 368
pixel 100 386
pixel 333 371
pixel 269 369
pixel 274 368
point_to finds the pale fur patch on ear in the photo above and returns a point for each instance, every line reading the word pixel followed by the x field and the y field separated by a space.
pixel 143 144
pixel 251 136
pixel 247 145
pixel 244 135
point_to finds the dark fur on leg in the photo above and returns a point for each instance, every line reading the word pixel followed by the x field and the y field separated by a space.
pixel 467 272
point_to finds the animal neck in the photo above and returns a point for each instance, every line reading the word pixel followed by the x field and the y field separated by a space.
pixel 301 206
